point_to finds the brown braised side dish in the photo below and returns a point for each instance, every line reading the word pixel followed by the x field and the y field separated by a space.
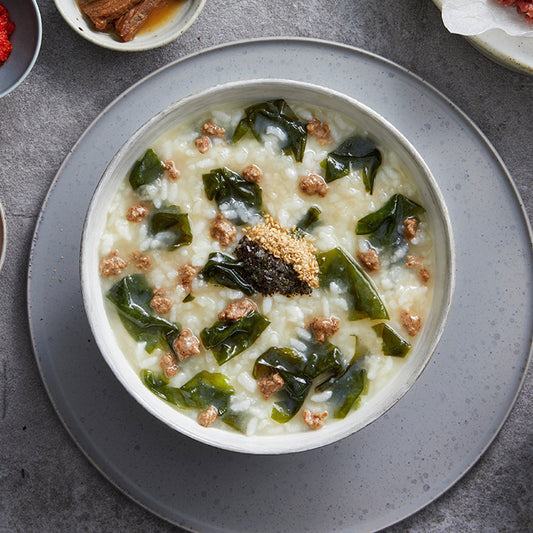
pixel 126 17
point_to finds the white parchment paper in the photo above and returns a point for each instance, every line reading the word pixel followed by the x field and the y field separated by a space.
pixel 472 17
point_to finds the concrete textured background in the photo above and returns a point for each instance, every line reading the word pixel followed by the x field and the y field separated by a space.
pixel 46 483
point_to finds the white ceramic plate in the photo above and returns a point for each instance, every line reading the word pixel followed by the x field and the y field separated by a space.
pixel 515 53
pixel 175 27
pixel 393 467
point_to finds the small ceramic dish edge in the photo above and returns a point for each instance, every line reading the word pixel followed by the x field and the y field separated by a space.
pixel 169 32
pixel 250 91
pixel 26 40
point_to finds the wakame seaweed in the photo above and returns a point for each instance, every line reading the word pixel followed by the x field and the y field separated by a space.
pixel 346 388
pixel 146 170
pixel 298 370
pixel 385 226
pixel 290 365
pixel 309 219
pixel 228 338
pixel 277 118
pixel 171 227
pixel 355 153
pixel 339 267
pixel 238 200
pixel 204 390
pixel 222 269
pixel 132 296
pixel 392 343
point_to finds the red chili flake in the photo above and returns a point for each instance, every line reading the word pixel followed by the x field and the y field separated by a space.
pixel 6 29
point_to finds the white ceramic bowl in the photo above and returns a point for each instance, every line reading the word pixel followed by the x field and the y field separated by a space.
pixel 26 41
pixel 251 92
pixel 165 34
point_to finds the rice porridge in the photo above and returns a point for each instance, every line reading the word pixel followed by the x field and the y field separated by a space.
pixel 267 269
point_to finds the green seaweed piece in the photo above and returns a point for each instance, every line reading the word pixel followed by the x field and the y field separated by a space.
pixel 237 420
pixel 202 391
pixel 321 358
pixel 169 225
pixel 224 270
pixel 228 338
pixel 355 153
pixel 298 370
pixel 146 170
pixel 290 365
pixel 188 298
pixel 346 388
pixel 385 226
pixel 132 296
pixel 392 343
pixel 275 115
pixel 238 200
pixel 309 219
pixel 339 267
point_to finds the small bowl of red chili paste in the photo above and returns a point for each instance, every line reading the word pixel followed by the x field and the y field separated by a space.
pixel 20 41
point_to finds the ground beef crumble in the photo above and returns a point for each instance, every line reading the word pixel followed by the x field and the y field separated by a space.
pixel 207 417
pixel 171 169
pixel 410 228
pixel 136 213
pixel 313 184
pixel 222 230
pixel 314 420
pixel 186 275
pixel 141 261
pixel 320 130
pixel 112 264
pixel 422 271
pixel 202 144
pixel 252 173
pixel 186 344
pixel 211 129
pixel 411 322
pixel 168 364
pixel 369 260
pixel 160 303
pixel 323 327
pixel 270 384
pixel 238 309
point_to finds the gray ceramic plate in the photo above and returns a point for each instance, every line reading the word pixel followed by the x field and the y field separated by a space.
pixel 396 465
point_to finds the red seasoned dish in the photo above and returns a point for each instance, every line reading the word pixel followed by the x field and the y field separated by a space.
pixel 524 7
pixel 7 27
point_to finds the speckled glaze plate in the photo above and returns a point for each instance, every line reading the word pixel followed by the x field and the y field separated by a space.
pixel 510 51
pixel 396 465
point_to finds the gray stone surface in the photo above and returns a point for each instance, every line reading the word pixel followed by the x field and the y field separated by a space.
pixel 46 484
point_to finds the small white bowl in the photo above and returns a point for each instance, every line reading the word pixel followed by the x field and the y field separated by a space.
pixel 26 41
pixel 170 31
pixel 249 92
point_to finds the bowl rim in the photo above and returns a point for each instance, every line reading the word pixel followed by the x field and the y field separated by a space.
pixel 266 444
pixel 35 52
pixel 102 39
